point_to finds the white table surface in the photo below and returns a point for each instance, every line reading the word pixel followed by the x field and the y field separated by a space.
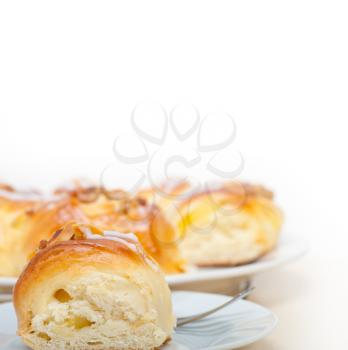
pixel 310 299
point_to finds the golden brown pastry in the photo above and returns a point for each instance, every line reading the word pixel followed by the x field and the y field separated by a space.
pixel 120 211
pixel 92 289
pixel 224 225
pixel 26 219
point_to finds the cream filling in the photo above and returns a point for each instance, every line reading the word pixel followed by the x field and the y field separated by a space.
pixel 100 309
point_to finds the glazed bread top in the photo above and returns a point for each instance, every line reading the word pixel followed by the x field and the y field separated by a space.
pixel 25 219
pixel 28 218
pixel 194 208
pixel 118 210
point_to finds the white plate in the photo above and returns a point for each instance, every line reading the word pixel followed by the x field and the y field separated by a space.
pixel 289 248
pixel 235 326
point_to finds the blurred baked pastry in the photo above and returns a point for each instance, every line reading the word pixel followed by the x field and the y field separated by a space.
pixel 221 225
pixel 91 289
pixel 25 220
pixel 28 218
pixel 118 210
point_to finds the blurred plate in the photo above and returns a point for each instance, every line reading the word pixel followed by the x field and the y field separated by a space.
pixel 235 326
pixel 289 249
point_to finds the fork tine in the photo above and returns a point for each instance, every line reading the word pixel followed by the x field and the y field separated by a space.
pixel 184 320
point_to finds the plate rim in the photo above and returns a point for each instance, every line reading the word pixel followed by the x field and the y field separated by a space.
pixel 241 343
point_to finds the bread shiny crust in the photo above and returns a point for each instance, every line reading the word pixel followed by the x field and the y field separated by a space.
pixel 245 221
pixel 71 254
pixel 26 219
pixel 156 234
pixel 69 257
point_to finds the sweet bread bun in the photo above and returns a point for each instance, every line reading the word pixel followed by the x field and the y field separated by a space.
pixel 25 220
pixel 223 225
pixel 118 210
pixel 28 218
pixel 91 289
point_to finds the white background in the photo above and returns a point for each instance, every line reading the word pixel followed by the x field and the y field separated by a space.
pixel 72 71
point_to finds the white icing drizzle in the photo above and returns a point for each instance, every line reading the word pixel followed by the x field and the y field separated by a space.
pixel 130 240
pixel 27 196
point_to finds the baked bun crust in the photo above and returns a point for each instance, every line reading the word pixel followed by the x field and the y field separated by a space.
pixel 91 289
pixel 222 225
pixel 28 218
pixel 25 220
pixel 118 210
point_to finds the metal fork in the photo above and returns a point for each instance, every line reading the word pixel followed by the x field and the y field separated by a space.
pixel 188 319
